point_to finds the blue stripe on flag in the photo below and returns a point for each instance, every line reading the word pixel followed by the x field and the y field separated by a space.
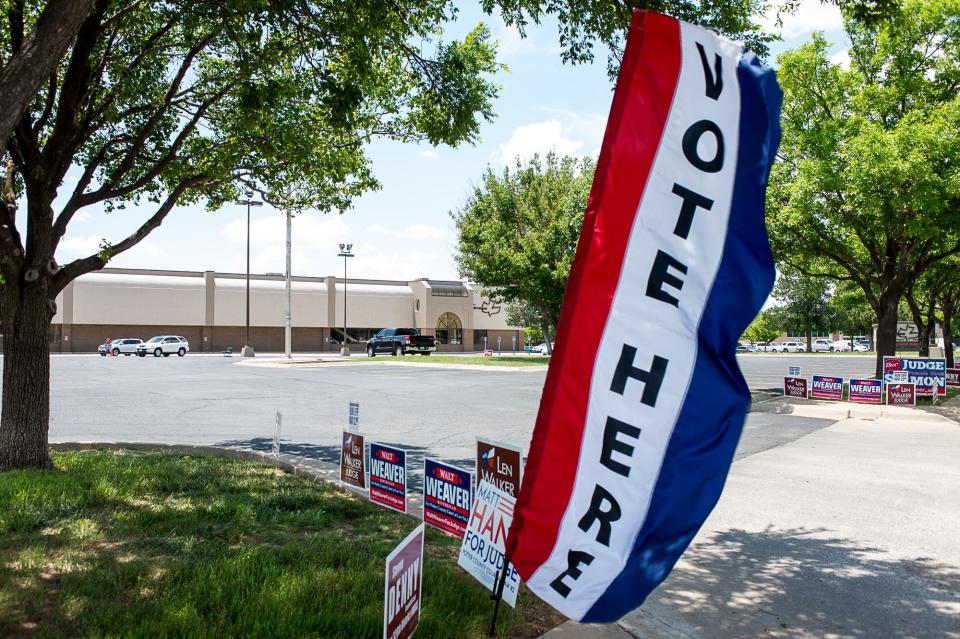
pixel 707 431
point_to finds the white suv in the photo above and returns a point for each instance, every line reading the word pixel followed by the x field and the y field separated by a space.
pixel 165 345
pixel 786 347
pixel 824 346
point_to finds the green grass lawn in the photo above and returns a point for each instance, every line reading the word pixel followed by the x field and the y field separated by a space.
pixel 147 544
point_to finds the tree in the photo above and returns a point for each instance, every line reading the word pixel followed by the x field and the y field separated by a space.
pixel 949 303
pixel 764 327
pixel 922 296
pixel 865 190
pixel 804 303
pixel 851 311
pixel 518 232
pixel 31 58
pixel 176 102
pixel 535 327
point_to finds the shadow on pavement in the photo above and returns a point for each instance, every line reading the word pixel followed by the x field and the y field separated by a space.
pixel 800 583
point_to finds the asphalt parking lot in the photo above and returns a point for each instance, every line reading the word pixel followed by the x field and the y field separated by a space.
pixel 435 410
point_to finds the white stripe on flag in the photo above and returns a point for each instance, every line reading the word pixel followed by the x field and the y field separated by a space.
pixel 652 326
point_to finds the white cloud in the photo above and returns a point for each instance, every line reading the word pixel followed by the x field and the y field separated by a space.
pixel 430 154
pixel 81 246
pixel 841 57
pixel 313 235
pixel 404 265
pixel 83 215
pixel 538 137
pixel 811 15
pixel 510 42
pixel 413 231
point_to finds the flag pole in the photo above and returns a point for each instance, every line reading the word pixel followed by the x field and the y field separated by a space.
pixel 497 595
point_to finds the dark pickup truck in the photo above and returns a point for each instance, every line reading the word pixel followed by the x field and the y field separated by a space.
pixel 400 341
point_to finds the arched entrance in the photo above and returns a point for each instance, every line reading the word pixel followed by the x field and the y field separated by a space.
pixel 449 330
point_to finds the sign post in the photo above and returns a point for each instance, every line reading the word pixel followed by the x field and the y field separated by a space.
pixel 275 449
pixel 403 587
pixel 353 472
pixel 388 476
pixel 500 464
pixel 447 497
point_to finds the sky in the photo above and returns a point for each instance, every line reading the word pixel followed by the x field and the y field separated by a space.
pixel 404 231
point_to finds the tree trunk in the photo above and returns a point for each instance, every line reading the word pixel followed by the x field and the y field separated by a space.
pixel 948 335
pixel 886 331
pixel 24 419
pixel 545 329
pixel 809 340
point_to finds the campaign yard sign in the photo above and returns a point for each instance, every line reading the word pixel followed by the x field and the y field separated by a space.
pixel 482 549
pixel 921 371
pixel 500 464
pixel 403 587
pixel 447 497
pixel 795 387
pixel 793 371
pixel 953 377
pixel 388 476
pixel 275 449
pixel 353 416
pixel 901 394
pixel 353 470
pixel 827 387
pixel 866 391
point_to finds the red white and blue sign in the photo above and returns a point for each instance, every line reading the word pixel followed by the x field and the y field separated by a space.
pixel 447 496
pixel 924 373
pixel 388 476
pixel 644 402
pixel 824 387
pixel 866 391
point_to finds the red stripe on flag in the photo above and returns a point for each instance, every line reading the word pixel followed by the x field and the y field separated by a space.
pixel 641 105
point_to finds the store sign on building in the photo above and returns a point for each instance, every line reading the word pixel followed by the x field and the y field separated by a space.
pixel 403 587
pixel 500 464
pixel 388 476
pixel 447 497
pixel 353 470
pixel 827 387
pixel 795 387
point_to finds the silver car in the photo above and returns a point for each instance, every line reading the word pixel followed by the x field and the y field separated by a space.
pixel 122 345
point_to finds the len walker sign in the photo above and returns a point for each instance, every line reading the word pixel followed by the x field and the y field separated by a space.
pixel 352 460
pixel 795 387
pixel 901 394
pixel 500 464
pixel 403 587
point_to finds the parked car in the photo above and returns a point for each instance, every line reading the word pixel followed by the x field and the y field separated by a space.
pixel 823 345
pixel 848 345
pixel 746 348
pixel 861 346
pixel 541 349
pixel 124 345
pixel 165 345
pixel 787 347
pixel 400 341
pixel 762 347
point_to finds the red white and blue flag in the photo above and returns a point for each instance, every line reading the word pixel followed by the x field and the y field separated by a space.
pixel 644 402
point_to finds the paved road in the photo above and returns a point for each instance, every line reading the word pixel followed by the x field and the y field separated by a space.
pixel 214 400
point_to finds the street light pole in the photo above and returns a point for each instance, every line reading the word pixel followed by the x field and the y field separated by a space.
pixel 345 253
pixel 288 328
pixel 249 201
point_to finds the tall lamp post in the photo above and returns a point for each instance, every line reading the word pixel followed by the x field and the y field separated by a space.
pixel 249 201
pixel 345 253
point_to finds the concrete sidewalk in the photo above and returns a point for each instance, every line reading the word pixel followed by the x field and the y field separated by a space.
pixel 851 531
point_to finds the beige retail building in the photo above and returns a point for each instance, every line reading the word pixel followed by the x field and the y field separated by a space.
pixel 208 309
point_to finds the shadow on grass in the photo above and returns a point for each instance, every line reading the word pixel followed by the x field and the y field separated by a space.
pixel 802 583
